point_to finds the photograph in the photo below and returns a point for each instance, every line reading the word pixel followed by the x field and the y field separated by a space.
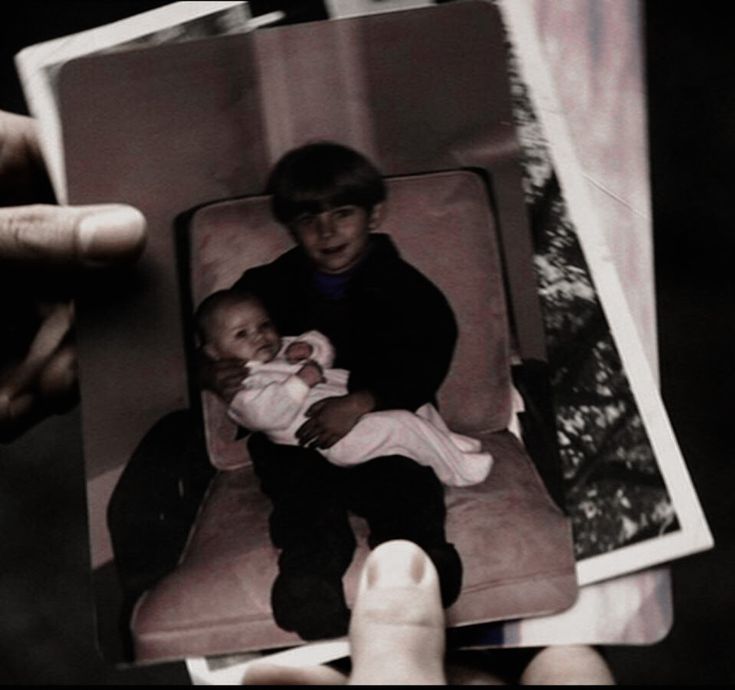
pixel 627 487
pixel 255 557
pixel 39 65
pixel 405 277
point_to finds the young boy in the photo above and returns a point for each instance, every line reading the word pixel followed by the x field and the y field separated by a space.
pixel 394 331
pixel 287 376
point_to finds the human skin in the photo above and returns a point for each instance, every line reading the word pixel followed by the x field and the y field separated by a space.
pixel 39 239
pixel 397 637
pixel 335 240
pixel 298 351
pixel 242 331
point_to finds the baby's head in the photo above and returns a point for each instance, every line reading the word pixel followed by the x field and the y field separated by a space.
pixel 235 325
pixel 330 197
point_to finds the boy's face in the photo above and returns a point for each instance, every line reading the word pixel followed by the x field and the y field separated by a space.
pixel 335 239
pixel 242 331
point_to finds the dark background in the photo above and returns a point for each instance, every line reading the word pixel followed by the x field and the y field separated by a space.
pixel 691 90
pixel 46 628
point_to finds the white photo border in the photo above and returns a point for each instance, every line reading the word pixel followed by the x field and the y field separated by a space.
pixel 694 534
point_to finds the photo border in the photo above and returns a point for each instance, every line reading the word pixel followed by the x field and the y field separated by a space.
pixel 694 534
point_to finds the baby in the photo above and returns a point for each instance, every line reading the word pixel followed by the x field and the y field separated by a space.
pixel 286 376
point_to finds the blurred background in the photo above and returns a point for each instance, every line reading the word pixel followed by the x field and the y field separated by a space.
pixel 46 625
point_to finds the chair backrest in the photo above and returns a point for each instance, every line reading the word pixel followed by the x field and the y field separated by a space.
pixel 442 223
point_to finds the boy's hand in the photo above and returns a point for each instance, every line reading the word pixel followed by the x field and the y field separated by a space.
pixel 223 378
pixel 332 418
pixel 298 351
pixel 311 374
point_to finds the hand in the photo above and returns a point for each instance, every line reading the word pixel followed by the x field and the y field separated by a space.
pixel 224 377
pixel 332 418
pixel 298 351
pixel 397 637
pixel 311 374
pixel 396 631
pixel 41 248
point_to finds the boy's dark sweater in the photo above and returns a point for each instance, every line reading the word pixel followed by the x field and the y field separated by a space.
pixel 393 329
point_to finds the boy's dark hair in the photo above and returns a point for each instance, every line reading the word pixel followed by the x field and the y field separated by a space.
pixel 323 175
pixel 209 306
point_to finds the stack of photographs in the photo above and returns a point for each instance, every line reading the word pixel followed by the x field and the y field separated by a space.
pixel 455 106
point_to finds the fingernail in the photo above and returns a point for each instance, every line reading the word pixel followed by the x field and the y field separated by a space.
pixel 111 233
pixel 396 564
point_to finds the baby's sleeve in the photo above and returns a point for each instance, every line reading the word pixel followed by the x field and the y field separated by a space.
pixel 269 408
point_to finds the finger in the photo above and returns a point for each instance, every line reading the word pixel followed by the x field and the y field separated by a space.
pixel 567 665
pixel 306 431
pixel 52 390
pixel 316 440
pixel 397 627
pixel 312 441
pixel 22 411
pixel 45 381
pixel 23 177
pixel 264 673
pixel 89 236
pixel 315 408
pixel 55 328
pixel 46 342
pixel 57 382
pixel 329 441
pixel 20 139
pixel 14 408
pixel 18 413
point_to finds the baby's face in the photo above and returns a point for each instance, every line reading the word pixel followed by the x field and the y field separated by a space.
pixel 243 331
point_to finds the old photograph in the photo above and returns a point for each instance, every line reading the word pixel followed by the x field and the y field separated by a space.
pixel 216 541
pixel 318 306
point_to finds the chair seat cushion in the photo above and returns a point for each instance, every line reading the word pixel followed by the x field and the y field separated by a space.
pixel 513 541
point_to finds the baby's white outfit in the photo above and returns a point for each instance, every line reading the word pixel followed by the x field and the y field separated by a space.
pixel 273 400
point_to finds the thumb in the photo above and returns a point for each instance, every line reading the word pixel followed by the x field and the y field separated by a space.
pixel 90 236
pixel 397 628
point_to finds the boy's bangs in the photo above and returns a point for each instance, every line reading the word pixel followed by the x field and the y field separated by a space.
pixel 321 176
pixel 316 200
